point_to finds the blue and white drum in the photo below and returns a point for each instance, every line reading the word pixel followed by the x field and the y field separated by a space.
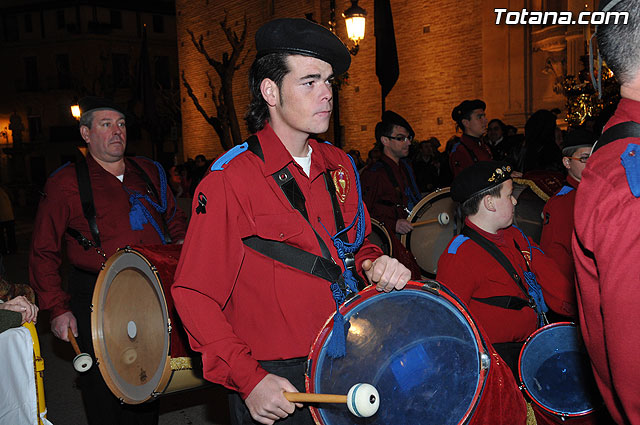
pixel 419 347
pixel 555 371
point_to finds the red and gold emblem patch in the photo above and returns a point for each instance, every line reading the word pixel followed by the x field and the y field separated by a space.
pixel 527 257
pixel 341 182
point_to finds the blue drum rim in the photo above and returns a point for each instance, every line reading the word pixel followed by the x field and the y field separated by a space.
pixel 523 386
pixel 430 286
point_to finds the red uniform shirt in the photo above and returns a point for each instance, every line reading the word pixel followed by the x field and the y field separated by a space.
pixel 471 272
pixel 557 228
pixel 385 202
pixel 607 261
pixel 237 305
pixel 388 204
pixel 61 208
pixel 461 157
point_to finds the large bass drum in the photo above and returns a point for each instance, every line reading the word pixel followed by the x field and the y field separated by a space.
pixel 430 366
pixel 137 337
pixel 427 242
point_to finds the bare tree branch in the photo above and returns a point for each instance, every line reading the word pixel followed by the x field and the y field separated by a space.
pixel 226 122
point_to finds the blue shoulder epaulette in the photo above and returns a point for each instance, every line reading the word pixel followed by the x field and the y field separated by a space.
pixel 455 146
pixel 459 240
pixel 59 168
pixel 631 163
pixel 565 189
pixel 219 163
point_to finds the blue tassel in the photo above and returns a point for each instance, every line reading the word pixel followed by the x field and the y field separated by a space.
pixel 536 293
pixel 137 217
pixel 337 345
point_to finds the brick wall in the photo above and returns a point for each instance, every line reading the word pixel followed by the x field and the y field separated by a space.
pixel 448 51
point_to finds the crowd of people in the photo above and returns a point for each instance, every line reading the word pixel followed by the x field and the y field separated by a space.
pixel 277 239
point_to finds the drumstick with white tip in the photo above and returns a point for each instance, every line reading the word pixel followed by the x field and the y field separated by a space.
pixel 442 219
pixel 362 400
pixel 82 361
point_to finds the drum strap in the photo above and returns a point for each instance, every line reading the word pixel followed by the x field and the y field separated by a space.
pixel 412 191
pixel 86 198
pixel 504 301
pixel 89 209
pixel 473 156
pixel 617 132
pixel 495 252
pixel 323 267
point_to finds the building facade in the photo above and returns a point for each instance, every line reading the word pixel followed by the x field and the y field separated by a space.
pixel 448 51
pixel 55 52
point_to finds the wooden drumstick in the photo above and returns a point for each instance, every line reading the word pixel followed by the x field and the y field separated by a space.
pixel 82 361
pixel 442 219
pixel 315 398
pixel 362 400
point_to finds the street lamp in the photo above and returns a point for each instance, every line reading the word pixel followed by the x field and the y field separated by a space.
pixel 75 111
pixel 354 17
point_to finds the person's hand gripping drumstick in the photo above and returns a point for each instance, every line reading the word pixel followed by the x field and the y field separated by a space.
pixel 442 219
pixel 362 400
pixel 82 361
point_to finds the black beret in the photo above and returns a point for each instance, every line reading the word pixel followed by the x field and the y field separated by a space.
pixel 300 36
pixel 390 117
pixel 91 103
pixel 576 139
pixel 465 107
pixel 480 176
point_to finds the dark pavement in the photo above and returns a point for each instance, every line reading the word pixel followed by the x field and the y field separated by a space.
pixel 63 400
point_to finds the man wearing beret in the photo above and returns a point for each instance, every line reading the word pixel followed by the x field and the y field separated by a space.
pixel 557 228
pixel 605 247
pixel 479 264
pixel 471 119
pixel 93 207
pixel 389 187
pixel 247 298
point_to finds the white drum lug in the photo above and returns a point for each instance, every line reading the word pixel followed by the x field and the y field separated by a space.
pixel 91 308
pixel 485 361
pixel 169 325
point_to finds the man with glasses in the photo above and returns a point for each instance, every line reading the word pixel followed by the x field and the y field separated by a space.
pixel 558 212
pixel 471 119
pixel 389 187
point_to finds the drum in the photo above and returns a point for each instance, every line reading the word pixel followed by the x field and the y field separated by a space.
pixel 427 242
pixel 380 237
pixel 139 344
pixel 528 213
pixel 429 367
pixel 555 371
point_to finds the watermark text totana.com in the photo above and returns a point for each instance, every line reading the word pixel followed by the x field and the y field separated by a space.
pixel 526 17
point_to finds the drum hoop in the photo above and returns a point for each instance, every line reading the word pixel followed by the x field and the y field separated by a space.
pixel 523 386
pixel 436 193
pixel 161 377
pixel 385 232
pixel 533 186
pixel 404 239
pixel 370 292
